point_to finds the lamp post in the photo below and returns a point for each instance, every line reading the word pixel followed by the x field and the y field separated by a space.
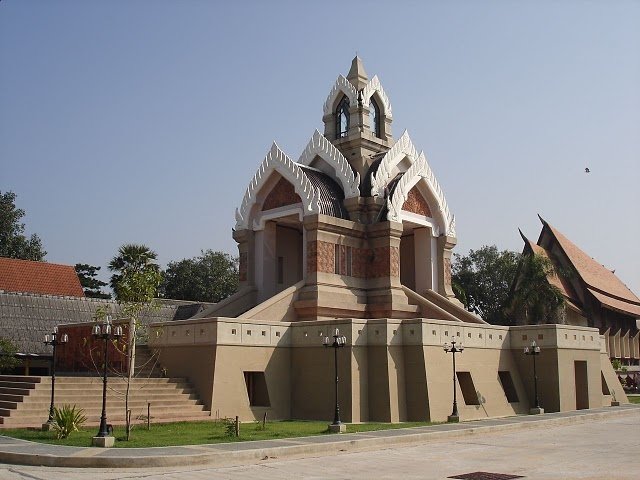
pixel 534 350
pixel 106 332
pixel 54 340
pixel 454 348
pixel 338 342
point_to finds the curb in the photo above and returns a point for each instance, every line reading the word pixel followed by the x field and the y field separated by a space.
pixel 356 442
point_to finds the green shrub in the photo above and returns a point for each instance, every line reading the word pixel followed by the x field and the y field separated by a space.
pixel 67 419
pixel 229 427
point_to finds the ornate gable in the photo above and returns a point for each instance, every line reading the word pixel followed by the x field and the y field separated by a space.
pixel 280 195
pixel 416 203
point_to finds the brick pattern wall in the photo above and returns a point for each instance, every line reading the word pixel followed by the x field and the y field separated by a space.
pixel 447 271
pixel 83 352
pixel 366 262
pixel 242 268
pixel 386 262
pixel 416 203
pixel 320 256
pixel 361 258
pixel 280 195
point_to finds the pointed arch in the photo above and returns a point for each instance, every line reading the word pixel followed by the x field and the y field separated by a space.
pixel 421 172
pixel 342 86
pixel 277 161
pixel 401 149
pixel 374 86
pixel 320 146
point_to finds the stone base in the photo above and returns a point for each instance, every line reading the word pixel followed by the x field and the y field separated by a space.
pixel 338 428
pixel 453 419
pixel 536 411
pixel 104 442
pixel 615 403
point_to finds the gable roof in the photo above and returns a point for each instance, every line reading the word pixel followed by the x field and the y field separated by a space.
pixel 39 277
pixel 602 283
pixel 590 271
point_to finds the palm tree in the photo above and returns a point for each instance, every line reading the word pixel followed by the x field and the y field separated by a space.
pixel 534 298
pixel 135 284
pixel 130 266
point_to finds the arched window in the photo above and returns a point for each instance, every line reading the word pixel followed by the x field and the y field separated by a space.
pixel 342 118
pixel 374 117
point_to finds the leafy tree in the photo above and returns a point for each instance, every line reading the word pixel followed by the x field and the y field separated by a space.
pixel 136 275
pixel 210 277
pixel 534 299
pixel 7 351
pixel 13 242
pixel 91 285
pixel 482 279
pixel 135 284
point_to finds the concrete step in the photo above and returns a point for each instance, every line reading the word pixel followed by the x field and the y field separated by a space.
pixel 112 419
pixel 11 384
pixel 15 391
pixel 63 379
pixel 112 410
pixel 25 409
pixel 4 397
pixel 119 388
pixel 19 378
pixel 9 405
pixel 170 398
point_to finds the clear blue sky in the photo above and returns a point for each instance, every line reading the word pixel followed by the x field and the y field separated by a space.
pixel 144 121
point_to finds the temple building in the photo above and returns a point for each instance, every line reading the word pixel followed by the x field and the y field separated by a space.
pixel 356 235
pixel 594 296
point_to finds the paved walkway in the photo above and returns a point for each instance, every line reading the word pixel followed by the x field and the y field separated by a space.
pixel 620 422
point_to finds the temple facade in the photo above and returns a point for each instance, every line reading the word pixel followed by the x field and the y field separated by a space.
pixel 356 235
pixel 593 295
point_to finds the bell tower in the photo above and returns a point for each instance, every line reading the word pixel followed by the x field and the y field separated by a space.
pixel 357 118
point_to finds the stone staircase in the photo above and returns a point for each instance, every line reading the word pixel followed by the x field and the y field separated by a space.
pixel 24 401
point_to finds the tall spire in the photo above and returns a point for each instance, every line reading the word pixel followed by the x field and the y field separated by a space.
pixel 357 75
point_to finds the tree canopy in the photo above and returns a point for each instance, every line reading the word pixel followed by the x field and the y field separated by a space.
pixel 210 277
pixel 7 359
pixel 90 284
pixel 13 242
pixel 136 276
pixel 482 279
pixel 534 299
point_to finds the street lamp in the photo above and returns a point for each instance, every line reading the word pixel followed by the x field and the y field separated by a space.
pixel 338 342
pixel 454 348
pixel 105 332
pixel 534 351
pixel 54 340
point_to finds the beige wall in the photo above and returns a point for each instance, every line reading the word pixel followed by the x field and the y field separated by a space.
pixel 391 370
pixel 230 396
pixel 196 364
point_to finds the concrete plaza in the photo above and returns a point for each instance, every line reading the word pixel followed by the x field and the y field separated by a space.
pixel 602 447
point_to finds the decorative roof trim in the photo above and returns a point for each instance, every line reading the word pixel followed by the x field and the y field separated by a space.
pixel 401 149
pixel 342 85
pixel 373 86
pixel 320 146
pixel 277 160
pixel 420 170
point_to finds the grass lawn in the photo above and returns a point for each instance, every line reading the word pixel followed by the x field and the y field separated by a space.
pixel 634 398
pixel 195 433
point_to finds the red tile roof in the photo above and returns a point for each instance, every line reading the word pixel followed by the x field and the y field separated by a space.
pixel 592 273
pixel 615 304
pixel 39 277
